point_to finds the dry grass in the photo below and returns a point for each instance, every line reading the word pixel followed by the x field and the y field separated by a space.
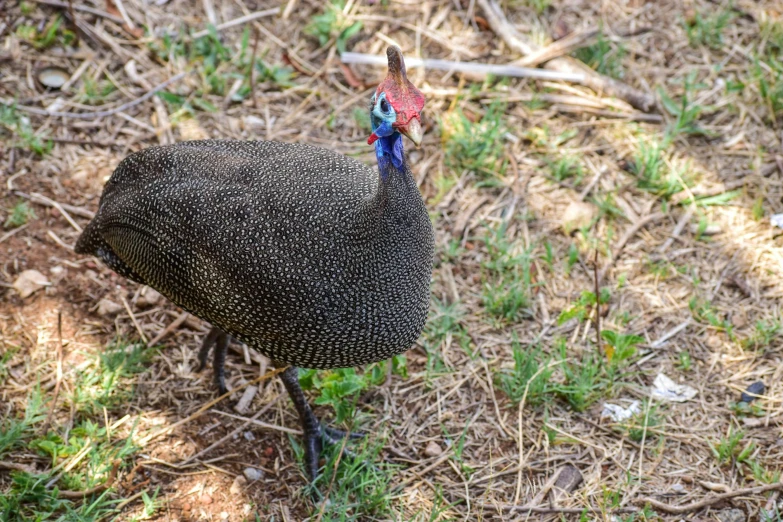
pixel 509 262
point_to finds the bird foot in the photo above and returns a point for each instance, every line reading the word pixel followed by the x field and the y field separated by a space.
pixel 316 437
pixel 219 339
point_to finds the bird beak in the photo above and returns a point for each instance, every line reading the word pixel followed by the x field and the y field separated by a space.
pixel 412 130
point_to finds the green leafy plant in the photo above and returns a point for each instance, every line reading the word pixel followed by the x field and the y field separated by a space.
pixel 619 348
pixel 332 23
pixel 685 110
pixel 728 448
pixel 20 127
pixel 475 146
pixel 586 302
pixel 763 334
pixel 508 279
pixel 708 29
pixel 20 215
pixel 604 56
pixel 531 374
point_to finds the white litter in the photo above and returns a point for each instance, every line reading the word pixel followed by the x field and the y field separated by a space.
pixel 665 389
pixel 620 414
pixel 776 220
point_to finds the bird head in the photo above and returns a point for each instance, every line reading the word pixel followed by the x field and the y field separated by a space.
pixel 396 105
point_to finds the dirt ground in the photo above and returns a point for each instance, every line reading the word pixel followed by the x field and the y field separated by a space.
pixel 540 191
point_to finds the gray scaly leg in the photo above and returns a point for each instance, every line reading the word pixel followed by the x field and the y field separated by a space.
pixel 314 433
pixel 220 340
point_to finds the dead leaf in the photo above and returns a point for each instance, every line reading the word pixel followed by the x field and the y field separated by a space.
pixel 29 282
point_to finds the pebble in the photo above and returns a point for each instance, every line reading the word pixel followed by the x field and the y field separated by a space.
pixel 433 449
pixel 205 499
pixel 757 388
pixel 253 474
pixel 236 487
pixel 108 307
pixel 149 297
pixel 731 515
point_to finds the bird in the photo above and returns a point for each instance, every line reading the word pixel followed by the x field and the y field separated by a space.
pixel 310 257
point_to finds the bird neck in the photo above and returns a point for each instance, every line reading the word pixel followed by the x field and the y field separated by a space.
pixel 390 154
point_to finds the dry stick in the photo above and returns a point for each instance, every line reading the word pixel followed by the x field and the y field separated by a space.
pixel 598 82
pixel 207 406
pixel 559 48
pixel 597 303
pixel 98 114
pixel 82 8
pixel 687 508
pixel 57 384
pixel 170 328
pixel 229 435
pixel 12 232
pixel 253 69
pixel 60 208
pixel 678 228
pixel 15 466
pixel 133 318
pixel 238 21
pixel 46 202
pixel 643 222
pixel 566 511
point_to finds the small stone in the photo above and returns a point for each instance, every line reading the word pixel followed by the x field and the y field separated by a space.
pixel 739 320
pixel 714 342
pixel 29 282
pixel 433 449
pixel 253 122
pixel 253 474
pixel 236 487
pixel 710 230
pixel 187 506
pixel 224 515
pixel 749 395
pixel 578 214
pixel 149 297
pixel 269 451
pixel 731 515
pixel 205 499
pixel 108 307
pixel 249 436
pixel 678 488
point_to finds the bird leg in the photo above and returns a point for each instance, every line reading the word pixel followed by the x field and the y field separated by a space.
pixel 220 340
pixel 314 433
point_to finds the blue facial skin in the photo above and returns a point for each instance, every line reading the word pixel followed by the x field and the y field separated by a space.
pixel 388 147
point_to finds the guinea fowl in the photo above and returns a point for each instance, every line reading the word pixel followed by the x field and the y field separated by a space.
pixel 308 256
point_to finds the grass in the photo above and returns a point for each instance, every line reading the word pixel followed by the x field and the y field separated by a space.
pixel 19 215
pixel 333 24
pixel 475 146
pixel 707 29
pixel 529 378
pixel 764 333
pixel 20 127
pixel 604 56
pixel 80 457
pixel 508 277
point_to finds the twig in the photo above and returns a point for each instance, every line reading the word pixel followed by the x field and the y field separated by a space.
pixel 82 8
pixel 15 466
pixel 565 511
pixel 228 436
pixel 98 114
pixel 253 69
pixel 144 441
pixel 52 203
pixel 41 200
pixel 630 233
pixel 170 328
pixel 12 232
pixel 133 318
pixel 468 67
pixel 687 508
pixel 87 492
pixel 59 377
pixel 678 228
pixel 262 424
pixel 597 303
pixel 561 47
pixel 598 82
pixel 238 21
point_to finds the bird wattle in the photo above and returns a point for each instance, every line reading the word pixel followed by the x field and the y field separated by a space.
pixel 389 151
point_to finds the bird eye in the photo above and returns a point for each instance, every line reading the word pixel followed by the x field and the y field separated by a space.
pixel 384 105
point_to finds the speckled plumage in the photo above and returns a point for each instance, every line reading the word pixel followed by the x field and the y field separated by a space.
pixel 304 254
